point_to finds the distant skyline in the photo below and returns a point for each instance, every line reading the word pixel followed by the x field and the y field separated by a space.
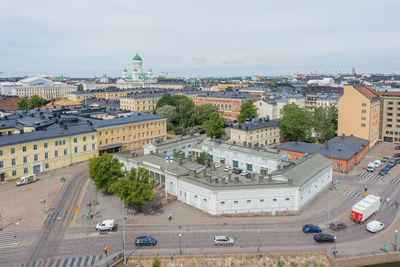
pixel 199 38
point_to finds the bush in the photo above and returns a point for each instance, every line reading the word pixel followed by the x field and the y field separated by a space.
pixel 156 262
pixel 281 263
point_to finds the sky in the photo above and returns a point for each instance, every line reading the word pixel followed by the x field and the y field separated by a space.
pixel 87 38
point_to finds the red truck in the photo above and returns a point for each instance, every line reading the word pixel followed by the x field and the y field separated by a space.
pixel 365 208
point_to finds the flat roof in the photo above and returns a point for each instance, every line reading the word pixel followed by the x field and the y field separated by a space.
pixel 132 118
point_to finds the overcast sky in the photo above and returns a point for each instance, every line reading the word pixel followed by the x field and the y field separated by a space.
pixel 84 38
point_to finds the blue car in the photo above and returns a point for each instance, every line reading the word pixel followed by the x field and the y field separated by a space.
pixel 387 167
pixel 145 241
pixel 383 172
pixel 310 228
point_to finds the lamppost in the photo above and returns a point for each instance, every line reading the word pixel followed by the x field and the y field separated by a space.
pixel 395 240
pixel 258 241
pixel 180 243
pixel 329 205
pixel 89 204
pixel 123 231
pixel 334 252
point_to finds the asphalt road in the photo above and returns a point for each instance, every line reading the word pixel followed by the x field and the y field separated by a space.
pixel 56 240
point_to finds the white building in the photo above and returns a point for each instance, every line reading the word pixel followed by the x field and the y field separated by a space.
pixel 272 107
pixel 137 77
pixel 282 192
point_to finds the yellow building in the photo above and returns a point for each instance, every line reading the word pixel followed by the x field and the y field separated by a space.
pixel 130 133
pixel 358 110
pixel 108 94
pixel 42 151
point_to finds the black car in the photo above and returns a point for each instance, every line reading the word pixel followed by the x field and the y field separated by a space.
pixel 145 241
pixel 336 226
pixel 397 155
pixel 237 171
pixel 320 238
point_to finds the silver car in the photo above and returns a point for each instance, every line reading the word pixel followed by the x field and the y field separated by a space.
pixel 223 240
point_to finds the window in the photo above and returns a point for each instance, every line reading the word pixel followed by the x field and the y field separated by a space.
pixel 25 170
pixel 248 201
pixel 84 148
pixel 364 104
pixel 13 162
pixel 93 146
pixel 363 118
pixel 45 145
pixel 274 200
pixel 34 147
pixel 363 111
pixel 1 164
pixel 56 143
pixel 12 150
pixel 46 155
pixel 235 202
pixel 363 124
pixel 65 151
pixel 205 199
pixel 338 165
pixel 24 149
pixel 92 137
pixel 76 149
pixel 1 152
pixel 63 142
pixel 84 138
pixel 25 159
pixel 46 165
pixel 56 153
pixel 235 163
pixel 262 200
pixel 287 199
pixel 14 173
pixel 222 202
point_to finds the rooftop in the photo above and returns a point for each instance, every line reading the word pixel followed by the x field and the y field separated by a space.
pixel 230 95
pixel 256 124
pixel 132 118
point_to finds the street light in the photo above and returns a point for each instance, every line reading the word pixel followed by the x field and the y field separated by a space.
pixel 334 252
pixel 180 243
pixel 258 241
pixel 395 241
pixel 123 232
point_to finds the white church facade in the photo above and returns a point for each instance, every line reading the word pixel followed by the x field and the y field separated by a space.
pixel 137 77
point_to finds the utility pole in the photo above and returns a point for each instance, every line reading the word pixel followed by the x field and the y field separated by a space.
pixel 395 240
pixel 123 231
pixel 89 204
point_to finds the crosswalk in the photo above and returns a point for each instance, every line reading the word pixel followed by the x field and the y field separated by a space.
pixel 65 262
pixel 353 194
pixel 395 181
pixel 7 240
pixel 371 176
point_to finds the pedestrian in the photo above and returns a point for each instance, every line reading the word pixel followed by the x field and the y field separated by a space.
pixel 170 216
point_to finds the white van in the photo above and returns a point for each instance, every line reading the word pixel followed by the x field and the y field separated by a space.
pixel 377 163
pixel 105 225
pixel 375 226
pixel 371 167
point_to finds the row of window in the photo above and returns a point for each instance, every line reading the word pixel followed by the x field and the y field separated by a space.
pixel 132 128
pixel 249 201
pixel 46 155
pixel 45 145
pixel 117 139
pixel 26 171
pixel 260 136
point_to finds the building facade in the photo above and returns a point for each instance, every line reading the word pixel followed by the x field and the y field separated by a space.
pixel 272 107
pixel 359 113
pixel 228 103
pixel 257 132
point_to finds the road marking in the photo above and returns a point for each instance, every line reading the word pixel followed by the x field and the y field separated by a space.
pixel 93 260
pixel 78 264
pixel 86 260
pixel 51 263
pixel 72 262
pixel 395 181
pixel 371 176
pixel 58 263
pixel 65 262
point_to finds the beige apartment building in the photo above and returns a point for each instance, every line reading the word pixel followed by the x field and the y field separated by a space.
pixel 258 132
pixel 390 116
pixel 359 113
pixel 108 94
pixel 46 92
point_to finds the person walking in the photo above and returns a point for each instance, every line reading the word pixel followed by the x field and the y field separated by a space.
pixel 170 216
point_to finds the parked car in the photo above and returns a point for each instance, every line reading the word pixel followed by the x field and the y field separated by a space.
pixel 227 168
pixel 237 171
pixel 397 161
pixel 217 165
pixel 320 238
pixel 377 163
pixel 336 226
pixel 392 163
pixel 397 155
pixel 375 226
pixel 248 175
pixel 145 241
pixel 371 167
pixel 105 225
pixel 223 240
pixel 397 148
pixel 245 172
pixel 387 167
pixel 385 159
pixel 310 228
pixel 383 172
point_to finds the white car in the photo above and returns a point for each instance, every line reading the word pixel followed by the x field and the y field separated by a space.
pixel 217 165
pixel 377 163
pixel 245 172
pixel 227 168
pixel 223 240
pixel 105 225
pixel 375 226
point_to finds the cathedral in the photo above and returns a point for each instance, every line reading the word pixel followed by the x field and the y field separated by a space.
pixel 137 77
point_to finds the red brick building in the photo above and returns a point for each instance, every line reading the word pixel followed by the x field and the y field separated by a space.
pixel 344 151
pixel 8 103
pixel 228 103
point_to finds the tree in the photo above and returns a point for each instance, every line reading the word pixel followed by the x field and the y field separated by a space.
pixel 214 126
pixel 203 112
pixel 169 112
pixel 22 104
pixel 185 110
pixel 134 187
pixel 165 100
pixel 203 156
pixel 35 102
pixel 247 110
pixel 105 170
pixel 325 122
pixel 295 123
pixel 178 154
pixel 80 87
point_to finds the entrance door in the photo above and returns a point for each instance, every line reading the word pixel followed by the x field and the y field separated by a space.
pixel 36 169
pixel 2 178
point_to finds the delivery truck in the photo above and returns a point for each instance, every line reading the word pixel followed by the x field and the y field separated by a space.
pixel 365 208
pixel 26 179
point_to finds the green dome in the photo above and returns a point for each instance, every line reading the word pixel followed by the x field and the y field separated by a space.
pixel 137 57
pixel 125 70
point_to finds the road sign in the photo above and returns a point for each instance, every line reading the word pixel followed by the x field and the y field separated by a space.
pixel 76 209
